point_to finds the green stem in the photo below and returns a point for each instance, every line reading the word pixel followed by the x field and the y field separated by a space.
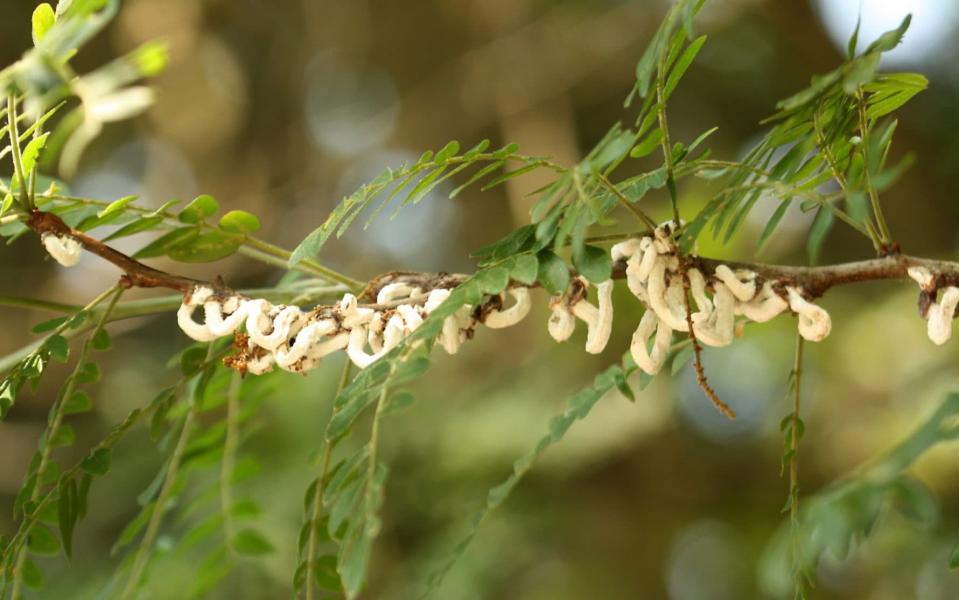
pixel 56 421
pixel 25 202
pixel 642 216
pixel 19 302
pixel 316 267
pixel 159 506
pixel 231 443
pixel 665 142
pixel 794 437
pixel 308 265
pixel 838 174
pixel 873 194
pixel 314 541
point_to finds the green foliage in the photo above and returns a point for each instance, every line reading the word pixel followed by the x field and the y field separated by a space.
pixel 412 183
pixel 846 513
pixel 839 129
pixel 829 131
pixel 577 408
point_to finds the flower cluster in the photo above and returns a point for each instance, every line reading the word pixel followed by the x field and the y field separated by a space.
pixel 939 314
pixel 654 275
pixel 294 340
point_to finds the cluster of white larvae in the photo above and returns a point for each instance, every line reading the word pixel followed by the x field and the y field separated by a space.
pixel 939 314
pixel 63 248
pixel 296 341
pixel 654 276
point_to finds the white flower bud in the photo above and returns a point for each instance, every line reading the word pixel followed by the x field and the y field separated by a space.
pixel 814 321
pixel 941 315
pixel 498 319
pixel 63 248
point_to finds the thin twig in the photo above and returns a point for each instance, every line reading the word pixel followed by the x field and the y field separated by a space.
pixel 794 435
pixel 721 406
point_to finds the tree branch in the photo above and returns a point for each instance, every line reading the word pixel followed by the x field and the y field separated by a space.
pixel 135 273
pixel 815 281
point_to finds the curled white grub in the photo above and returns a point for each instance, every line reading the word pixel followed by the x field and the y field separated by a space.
pixel 697 287
pixel 184 316
pixel 435 298
pixel 396 291
pixel 597 335
pixel 352 314
pixel 411 317
pixel 717 329
pixel 923 277
pixel 650 361
pixel 63 248
pixel 669 307
pixel 454 329
pixel 814 322
pixel 356 348
pixel 282 322
pixel 626 250
pixel 288 355
pixel 764 306
pixel 941 315
pixel 741 283
pixel 651 252
pixel 498 319
pixel 562 323
pixel 219 325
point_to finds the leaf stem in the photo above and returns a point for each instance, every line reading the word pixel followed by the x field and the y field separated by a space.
pixel 873 194
pixel 159 506
pixel 642 216
pixel 317 509
pixel 795 433
pixel 56 421
pixel 25 201
pixel 231 443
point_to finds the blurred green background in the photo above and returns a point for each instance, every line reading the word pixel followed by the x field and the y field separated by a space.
pixel 282 107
